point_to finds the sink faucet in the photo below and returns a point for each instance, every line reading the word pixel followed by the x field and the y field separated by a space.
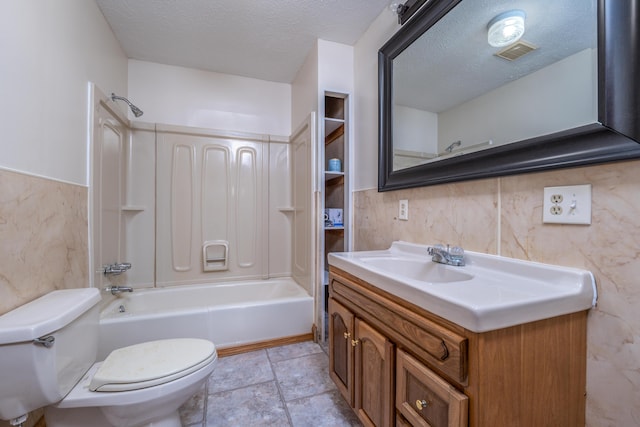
pixel 449 256
pixel 115 290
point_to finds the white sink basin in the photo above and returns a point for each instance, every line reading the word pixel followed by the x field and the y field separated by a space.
pixel 422 269
pixel 490 292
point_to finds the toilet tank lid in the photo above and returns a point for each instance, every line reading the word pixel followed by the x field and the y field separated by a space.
pixel 46 314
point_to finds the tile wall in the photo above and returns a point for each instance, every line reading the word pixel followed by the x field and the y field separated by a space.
pixel 43 237
pixel 504 216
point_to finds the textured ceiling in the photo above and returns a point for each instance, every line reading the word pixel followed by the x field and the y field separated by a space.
pixel 455 53
pixel 263 39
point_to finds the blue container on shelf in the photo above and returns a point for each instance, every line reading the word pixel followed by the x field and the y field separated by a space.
pixel 335 165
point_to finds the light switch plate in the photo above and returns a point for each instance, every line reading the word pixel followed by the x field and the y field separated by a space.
pixel 567 205
pixel 403 210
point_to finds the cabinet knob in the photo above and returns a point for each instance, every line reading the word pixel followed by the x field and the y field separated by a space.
pixel 354 343
pixel 421 404
pixel 346 335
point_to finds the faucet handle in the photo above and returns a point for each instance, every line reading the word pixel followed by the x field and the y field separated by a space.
pixel 456 251
pixel 438 248
pixel 457 255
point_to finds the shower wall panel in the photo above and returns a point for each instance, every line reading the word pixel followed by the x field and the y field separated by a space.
pixel 138 213
pixel 211 187
pixel 303 238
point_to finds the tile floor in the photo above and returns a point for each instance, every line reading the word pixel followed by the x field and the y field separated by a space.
pixel 280 386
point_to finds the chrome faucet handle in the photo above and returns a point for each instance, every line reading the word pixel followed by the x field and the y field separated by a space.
pixel 457 256
pixel 116 268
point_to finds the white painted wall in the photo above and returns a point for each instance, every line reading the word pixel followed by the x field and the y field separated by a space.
pixel 335 67
pixel 416 130
pixel 560 96
pixel 304 89
pixel 50 51
pixel 189 97
pixel 365 148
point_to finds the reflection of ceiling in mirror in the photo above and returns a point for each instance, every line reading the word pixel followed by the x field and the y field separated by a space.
pixel 558 28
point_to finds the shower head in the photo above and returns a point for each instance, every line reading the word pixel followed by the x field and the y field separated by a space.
pixel 135 110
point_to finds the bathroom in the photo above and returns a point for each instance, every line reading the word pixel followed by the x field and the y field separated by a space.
pixel 45 197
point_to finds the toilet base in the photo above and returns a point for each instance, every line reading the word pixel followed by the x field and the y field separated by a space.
pixel 83 417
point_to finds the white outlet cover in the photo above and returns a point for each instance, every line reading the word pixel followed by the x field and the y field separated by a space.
pixel 403 210
pixel 575 207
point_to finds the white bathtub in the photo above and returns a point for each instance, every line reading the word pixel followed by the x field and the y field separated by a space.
pixel 228 314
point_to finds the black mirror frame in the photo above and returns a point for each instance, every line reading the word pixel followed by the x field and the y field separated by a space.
pixel 612 139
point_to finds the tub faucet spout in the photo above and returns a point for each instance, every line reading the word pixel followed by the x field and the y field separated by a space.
pixel 115 290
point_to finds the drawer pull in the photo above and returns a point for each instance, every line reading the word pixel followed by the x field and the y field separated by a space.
pixel 354 343
pixel 346 335
pixel 421 404
pixel 445 351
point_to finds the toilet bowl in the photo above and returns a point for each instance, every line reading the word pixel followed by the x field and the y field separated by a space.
pixel 49 345
pixel 129 388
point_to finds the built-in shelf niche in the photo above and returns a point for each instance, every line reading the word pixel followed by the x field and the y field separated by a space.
pixel 334 238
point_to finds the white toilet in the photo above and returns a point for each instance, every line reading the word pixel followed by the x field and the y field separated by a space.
pixel 48 353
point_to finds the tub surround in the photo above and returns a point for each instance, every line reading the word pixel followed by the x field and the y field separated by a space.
pixel 43 237
pixel 504 216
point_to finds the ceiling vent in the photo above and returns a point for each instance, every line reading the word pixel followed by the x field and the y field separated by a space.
pixel 516 50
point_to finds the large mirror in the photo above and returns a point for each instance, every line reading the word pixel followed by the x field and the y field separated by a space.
pixel 453 107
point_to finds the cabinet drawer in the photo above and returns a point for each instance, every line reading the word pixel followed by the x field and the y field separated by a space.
pixel 424 398
pixel 437 345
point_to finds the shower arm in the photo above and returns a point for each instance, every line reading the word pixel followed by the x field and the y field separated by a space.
pixel 135 110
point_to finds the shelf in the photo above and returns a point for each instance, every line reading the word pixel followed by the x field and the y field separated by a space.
pixel 334 107
pixel 332 174
pixel 132 208
pixel 333 129
pixel 334 228
pixel 333 178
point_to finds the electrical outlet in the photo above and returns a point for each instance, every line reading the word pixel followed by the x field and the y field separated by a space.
pixel 555 209
pixel 556 198
pixel 403 210
pixel 567 205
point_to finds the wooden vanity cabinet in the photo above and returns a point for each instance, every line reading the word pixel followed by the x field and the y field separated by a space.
pixel 425 399
pixel 361 364
pixel 341 332
pixel 397 364
pixel 373 376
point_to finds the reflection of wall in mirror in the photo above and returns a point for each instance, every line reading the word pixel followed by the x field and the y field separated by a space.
pixel 560 96
pixel 415 136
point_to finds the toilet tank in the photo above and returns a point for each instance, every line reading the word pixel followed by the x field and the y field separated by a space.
pixel 46 346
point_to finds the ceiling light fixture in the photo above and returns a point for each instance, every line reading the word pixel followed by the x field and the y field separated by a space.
pixel 506 28
pixel 398 8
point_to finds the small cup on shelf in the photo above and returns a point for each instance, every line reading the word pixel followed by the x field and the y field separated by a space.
pixel 335 165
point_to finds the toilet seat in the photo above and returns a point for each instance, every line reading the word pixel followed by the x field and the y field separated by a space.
pixel 151 363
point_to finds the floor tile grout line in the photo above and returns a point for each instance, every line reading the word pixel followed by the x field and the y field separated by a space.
pixel 275 379
pixel 230 390
pixel 205 407
pixel 280 393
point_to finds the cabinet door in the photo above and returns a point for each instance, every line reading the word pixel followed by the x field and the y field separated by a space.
pixel 373 376
pixel 341 349
pixel 425 399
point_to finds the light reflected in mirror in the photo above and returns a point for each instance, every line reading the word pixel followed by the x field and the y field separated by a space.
pixel 452 95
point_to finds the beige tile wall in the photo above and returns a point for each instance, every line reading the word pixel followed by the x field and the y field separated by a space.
pixel 504 215
pixel 43 237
